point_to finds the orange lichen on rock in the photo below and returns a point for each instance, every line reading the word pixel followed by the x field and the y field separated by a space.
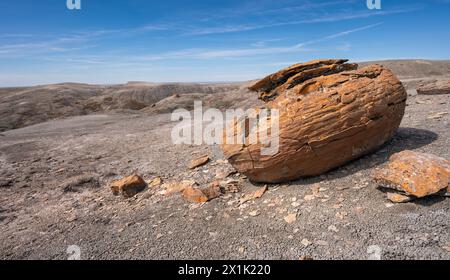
pixel 329 114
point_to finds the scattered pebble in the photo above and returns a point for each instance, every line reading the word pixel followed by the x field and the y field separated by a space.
pixel 333 228
pixel 295 204
pixel 254 213
pixel 321 243
pixel 341 215
pixel 290 218
pixel 305 242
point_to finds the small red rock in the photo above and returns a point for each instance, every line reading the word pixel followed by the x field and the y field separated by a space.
pixel 128 186
pixel 198 162
pixel 194 195
pixel 197 195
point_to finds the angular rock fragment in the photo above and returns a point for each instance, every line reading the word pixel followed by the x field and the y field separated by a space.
pixel 290 218
pixel 435 87
pixel 329 114
pixel 155 182
pixel 174 187
pixel 129 186
pixel 398 197
pixel 230 186
pixel 414 174
pixel 254 213
pixel 194 195
pixel 305 242
pixel 260 192
pixel 255 195
pixel 198 162
pixel 197 195
pixel 212 191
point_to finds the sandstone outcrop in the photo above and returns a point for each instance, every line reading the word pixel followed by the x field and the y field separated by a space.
pixel 435 87
pixel 329 114
pixel 414 174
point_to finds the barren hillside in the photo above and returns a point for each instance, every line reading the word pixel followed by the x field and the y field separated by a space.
pixel 20 107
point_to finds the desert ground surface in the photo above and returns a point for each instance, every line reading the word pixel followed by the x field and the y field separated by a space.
pixel 62 145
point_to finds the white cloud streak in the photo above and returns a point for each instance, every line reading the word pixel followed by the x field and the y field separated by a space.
pixel 231 53
pixel 316 19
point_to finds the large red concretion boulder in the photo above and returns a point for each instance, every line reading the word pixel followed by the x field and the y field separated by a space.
pixel 329 114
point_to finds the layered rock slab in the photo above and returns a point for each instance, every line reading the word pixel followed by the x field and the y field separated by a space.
pixel 329 114
pixel 435 87
pixel 414 174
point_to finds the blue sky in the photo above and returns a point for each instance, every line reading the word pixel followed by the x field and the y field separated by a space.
pixel 202 41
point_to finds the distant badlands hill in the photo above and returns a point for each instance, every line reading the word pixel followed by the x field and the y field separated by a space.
pixel 25 106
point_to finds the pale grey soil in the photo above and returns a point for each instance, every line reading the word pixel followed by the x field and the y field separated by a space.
pixel 40 217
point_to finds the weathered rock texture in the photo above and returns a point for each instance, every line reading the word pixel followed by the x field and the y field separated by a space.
pixel 198 162
pixel 329 113
pixel 415 174
pixel 128 186
pixel 435 87
pixel 197 195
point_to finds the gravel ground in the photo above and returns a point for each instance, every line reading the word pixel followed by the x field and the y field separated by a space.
pixel 350 218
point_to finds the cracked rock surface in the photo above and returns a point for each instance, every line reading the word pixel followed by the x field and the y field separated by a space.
pixel 329 114
pixel 415 174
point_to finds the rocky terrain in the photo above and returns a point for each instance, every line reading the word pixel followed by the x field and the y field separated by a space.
pixel 63 148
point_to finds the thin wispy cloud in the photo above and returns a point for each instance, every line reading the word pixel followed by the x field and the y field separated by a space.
pixel 263 43
pixel 246 52
pixel 205 54
pixel 316 19
pixel 246 10
pixel 63 44
pixel 344 33
pixel 68 42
